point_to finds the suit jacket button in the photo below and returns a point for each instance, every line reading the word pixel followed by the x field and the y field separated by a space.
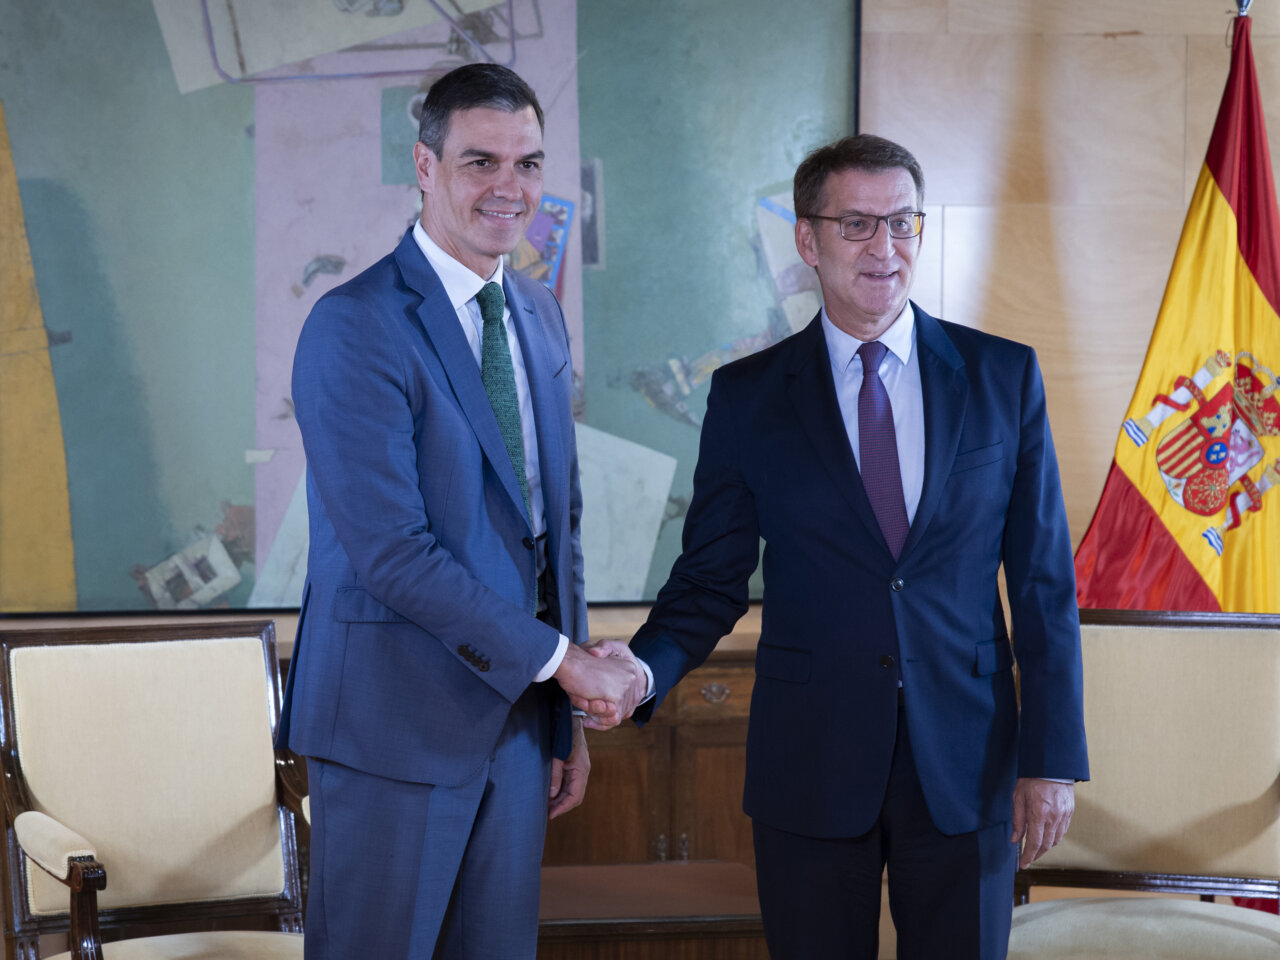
pixel 886 661
pixel 896 584
pixel 528 543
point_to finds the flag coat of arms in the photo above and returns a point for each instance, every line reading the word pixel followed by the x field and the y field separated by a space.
pixel 1189 518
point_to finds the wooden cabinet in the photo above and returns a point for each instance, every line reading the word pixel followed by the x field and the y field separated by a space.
pixel 671 790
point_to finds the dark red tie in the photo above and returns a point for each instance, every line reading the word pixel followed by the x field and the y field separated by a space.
pixel 878 450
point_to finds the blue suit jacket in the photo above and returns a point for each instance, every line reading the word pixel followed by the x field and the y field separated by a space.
pixel 775 462
pixel 417 630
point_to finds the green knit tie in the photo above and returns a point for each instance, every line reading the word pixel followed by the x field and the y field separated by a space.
pixel 499 380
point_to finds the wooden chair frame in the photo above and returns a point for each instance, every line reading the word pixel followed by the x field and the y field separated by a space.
pixel 1205 886
pixel 84 921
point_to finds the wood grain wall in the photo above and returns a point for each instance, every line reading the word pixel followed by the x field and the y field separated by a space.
pixel 1061 141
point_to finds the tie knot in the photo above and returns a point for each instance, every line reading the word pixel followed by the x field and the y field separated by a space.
pixel 490 299
pixel 871 353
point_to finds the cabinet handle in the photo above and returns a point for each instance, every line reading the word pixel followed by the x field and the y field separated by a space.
pixel 662 848
pixel 684 846
pixel 715 692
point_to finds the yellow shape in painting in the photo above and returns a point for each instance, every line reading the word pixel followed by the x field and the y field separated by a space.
pixel 37 569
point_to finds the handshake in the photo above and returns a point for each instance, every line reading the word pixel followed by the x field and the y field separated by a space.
pixel 605 680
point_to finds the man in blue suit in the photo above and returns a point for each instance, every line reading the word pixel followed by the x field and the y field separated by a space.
pixel 891 462
pixel 444 608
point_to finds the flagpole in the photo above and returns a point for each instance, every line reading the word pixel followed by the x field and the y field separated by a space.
pixel 1244 6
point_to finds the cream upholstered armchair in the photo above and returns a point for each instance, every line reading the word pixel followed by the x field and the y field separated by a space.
pixel 1183 718
pixel 142 788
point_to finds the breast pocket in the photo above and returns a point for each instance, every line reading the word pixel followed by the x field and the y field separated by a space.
pixel 978 457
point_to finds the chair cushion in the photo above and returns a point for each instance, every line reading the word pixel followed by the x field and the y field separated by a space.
pixel 1141 927
pixel 222 945
pixel 160 755
pixel 1181 783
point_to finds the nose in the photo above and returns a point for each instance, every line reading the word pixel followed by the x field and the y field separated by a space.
pixel 506 185
pixel 880 243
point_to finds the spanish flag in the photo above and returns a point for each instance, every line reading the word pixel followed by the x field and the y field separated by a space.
pixel 1189 518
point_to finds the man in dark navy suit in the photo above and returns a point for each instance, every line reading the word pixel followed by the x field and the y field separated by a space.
pixel 891 462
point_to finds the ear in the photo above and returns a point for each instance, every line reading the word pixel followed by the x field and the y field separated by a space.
pixel 806 241
pixel 425 163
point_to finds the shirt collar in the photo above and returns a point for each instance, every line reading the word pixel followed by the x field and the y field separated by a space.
pixel 898 339
pixel 460 282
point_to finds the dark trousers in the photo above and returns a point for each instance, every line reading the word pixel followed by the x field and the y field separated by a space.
pixel 950 896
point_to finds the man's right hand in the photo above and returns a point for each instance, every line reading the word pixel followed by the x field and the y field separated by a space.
pixel 607 688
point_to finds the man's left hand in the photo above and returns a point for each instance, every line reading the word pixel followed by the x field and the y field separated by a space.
pixel 569 777
pixel 1041 813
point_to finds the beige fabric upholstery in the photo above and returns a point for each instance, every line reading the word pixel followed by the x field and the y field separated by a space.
pixel 49 843
pixel 1132 928
pixel 160 754
pixel 1184 750
pixel 225 945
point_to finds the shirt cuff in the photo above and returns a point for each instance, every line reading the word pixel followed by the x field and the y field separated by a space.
pixel 553 664
pixel 1054 780
pixel 648 681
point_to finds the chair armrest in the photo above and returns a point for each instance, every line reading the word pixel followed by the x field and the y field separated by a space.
pixel 51 844
pixel 291 784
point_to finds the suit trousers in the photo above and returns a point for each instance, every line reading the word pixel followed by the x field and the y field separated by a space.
pixel 402 870
pixel 950 896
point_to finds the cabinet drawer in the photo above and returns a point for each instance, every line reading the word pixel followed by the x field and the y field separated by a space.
pixel 715 693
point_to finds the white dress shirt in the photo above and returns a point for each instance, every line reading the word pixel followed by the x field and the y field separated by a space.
pixel 900 374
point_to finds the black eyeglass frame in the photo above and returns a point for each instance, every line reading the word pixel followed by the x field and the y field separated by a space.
pixel 918 216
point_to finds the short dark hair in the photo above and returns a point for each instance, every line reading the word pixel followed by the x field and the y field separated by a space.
pixel 473 85
pixel 862 151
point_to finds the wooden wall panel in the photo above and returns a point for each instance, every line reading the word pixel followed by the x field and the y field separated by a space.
pixel 904 16
pixel 1162 17
pixel 1080 284
pixel 1032 119
pixel 926 288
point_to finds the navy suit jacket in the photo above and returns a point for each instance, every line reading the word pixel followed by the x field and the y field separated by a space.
pixel 841 617
pixel 417 630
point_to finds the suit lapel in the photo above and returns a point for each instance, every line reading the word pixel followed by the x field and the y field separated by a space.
pixel 813 397
pixel 945 393
pixel 443 331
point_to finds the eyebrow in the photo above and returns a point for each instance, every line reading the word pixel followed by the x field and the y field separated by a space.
pixel 475 153
pixel 861 213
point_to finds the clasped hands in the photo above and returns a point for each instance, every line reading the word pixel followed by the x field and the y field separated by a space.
pixel 604 680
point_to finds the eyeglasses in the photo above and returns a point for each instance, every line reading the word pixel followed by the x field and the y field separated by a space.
pixel 863 226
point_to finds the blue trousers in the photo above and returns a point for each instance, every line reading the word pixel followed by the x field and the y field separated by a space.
pixel 414 870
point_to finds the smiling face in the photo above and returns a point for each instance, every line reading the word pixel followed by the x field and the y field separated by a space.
pixel 864 282
pixel 481 192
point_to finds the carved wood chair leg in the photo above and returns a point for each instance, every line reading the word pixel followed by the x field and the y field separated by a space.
pixel 87 877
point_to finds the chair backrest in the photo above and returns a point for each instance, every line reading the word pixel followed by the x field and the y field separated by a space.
pixel 155 744
pixel 1183 718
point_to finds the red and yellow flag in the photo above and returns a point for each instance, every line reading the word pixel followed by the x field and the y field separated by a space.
pixel 1189 518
